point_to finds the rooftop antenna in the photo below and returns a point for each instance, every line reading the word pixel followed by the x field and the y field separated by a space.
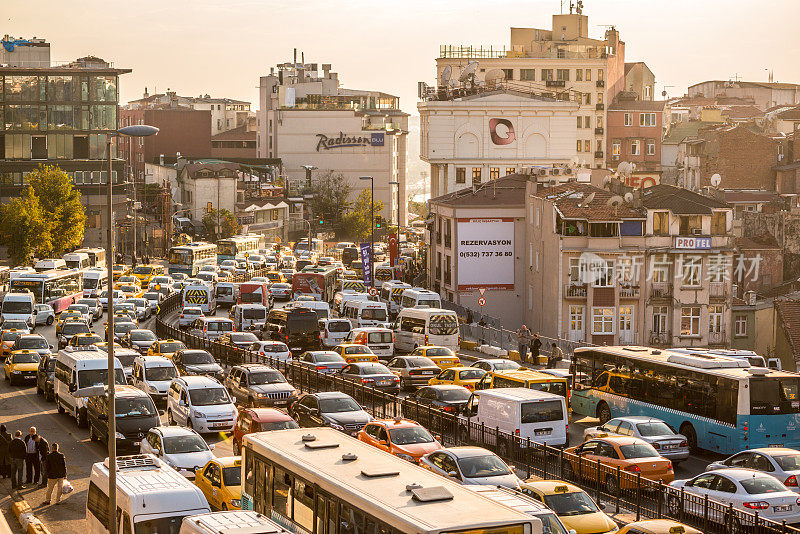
pixel 468 73
pixel 715 180
pixel 444 78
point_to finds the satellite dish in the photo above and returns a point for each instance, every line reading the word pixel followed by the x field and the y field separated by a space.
pixel 444 79
pixel 606 180
pixel 587 201
pixel 715 180
pixel 468 72
pixel 615 201
pixel 629 197
pixel 494 76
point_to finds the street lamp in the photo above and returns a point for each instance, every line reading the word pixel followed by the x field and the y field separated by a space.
pixel 395 182
pixel 136 130
pixel 371 227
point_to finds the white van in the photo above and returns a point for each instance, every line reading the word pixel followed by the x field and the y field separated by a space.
pixel 526 413
pixel 94 281
pixel 77 260
pixel 19 306
pixel 365 313
pixel 323 309
pixel 345 295
pixel 417 296
pixel 154 374
pixel 200 403
pixel 78 370
pixel 419 326
pixel 249 317
pixel 380 340
pixel 333 332
pixel 151 496
pixel 231 522
pixel 47 265
pixel 392 295
pixel 226 293
pixel 199 295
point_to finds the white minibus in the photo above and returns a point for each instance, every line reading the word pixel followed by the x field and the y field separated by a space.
pixel 365 313
pixel 417 296
pixel 420 326
pixel 78 370
pixel 76 260
pixel 94 281
pixel 231 522
pixel 47 265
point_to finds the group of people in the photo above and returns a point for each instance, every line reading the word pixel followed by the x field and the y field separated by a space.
pixel 43 463
pixel 526 339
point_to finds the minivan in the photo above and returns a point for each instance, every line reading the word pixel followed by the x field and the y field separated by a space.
pixel 380 340
pixel 200 403
pixel 525 413
pixel 79 370
pixel 417 296
pixel 230 522
pixel 365 313
pixel 226 293
pixel 154 374
pixel 419 326
pixel 211 327
pixel 249 317
pixel 332 332
pixel 297 327
pixel 135 415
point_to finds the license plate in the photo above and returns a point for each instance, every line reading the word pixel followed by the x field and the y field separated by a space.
pixel 668 447
pixel 427 372
pixel 384 383
pixel 281 403
pixel 354 434
pixel 296 348
pixel 779 445
pixel 136 443
pixel 542 431
pixel 219 425
pixel 784 508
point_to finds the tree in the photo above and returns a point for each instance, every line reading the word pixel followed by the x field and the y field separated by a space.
pixel 358 222
pixel 24 228
pixel 61 201
pixel 418 208
pixel 228 225
pixel 329 200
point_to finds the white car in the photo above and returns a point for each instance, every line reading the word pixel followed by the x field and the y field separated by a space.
pixel 85 312
pixel 780 462
pixel 745 489
pixel 142 308
pixel 272 349
pixel 496 364
pixel 200 403
pixel 188 316
pixel 119 296
pixel 471 465
pixel 181 448
pixel 95 308
pixel 45 314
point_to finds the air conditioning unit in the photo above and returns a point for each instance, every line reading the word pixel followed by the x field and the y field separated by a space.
pixel 542 172
pixel 555 171
pixel 697 231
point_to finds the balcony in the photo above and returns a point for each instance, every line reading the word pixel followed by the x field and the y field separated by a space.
pixel 717 339
pixel 556 83
pixel 661 290
pixel 600 83
pixel 629 292
pixel 572 291
pixel 598 154
pixel 717 290
pixel 662 339
pixel 599 107
pixel 599 130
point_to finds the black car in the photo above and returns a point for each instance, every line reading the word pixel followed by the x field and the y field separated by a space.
pixel 372 374
pixel 45 377
pixel 450 398
pixel 255 384
pixel 330 408
pixel 297 327
pixel 135 415
pixel 197 362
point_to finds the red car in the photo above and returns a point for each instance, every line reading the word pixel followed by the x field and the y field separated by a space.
pixel 252 420
pixel 404 438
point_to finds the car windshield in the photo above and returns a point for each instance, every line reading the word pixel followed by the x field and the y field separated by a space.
pixel 439 351
pixel 16 306
pixel 150 296
pixel 443 325
pixel 273 347
pixel 173 346
pixel 85 341
pixel 33 343
pixel 638 450
pixel 184 444
pixel 160 373
pixel 762 484
pixel 220 326
pixel 279 425
pixel 375 314
pixel 488 465
pixel 338 326
pixel 788 462
pixel 135 407
pixel 196 358
pixel 143 335
pixel 27 357
pixel 338 405
pixel 258 378
pixel 123 328
pixel 654 428
pixel 139 303
pixel 75 328
pixel 160 525
pixel 143 270
pixel 576 503
pixel 380 337
pixel 506 365
pixel 11 336
pixel 88 302
pixel 98 377
pixel 542 412
pixel 375 369
pixel 80 308
pixel 358 349
pixel 126 358
pixel 471 374
pixel 243 337
pixel 254 313
pixel 420 362
pixel 410 435
pixel 209 396
pixel 455 395
pixel 327 358
pixel 232 476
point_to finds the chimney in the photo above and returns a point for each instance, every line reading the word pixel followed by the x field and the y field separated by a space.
pixel 295 57
pixel 145 93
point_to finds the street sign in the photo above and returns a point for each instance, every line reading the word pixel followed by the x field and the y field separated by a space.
pixel 482 290
pixel 482 301
pixel 373 291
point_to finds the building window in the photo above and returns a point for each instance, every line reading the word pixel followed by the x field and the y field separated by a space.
pixel 509 74
pixel 635 147
pixel 648 92
pixel 647 119
pixel 527 75
pixel 629 119
pixel 715 319
pixel 588 98
pixel 691 270
pixel 510 170
pixel 599 98
pixel 661 223
pixel 562 74
pixel 587 146
pixel 718 223
pixel 690 321
pixel 615 149
pixel 547 74
pixel 530 297
pixel 588 75
pixel 578 75
pixel 580 121
pixel 600 74
pixel 461 175
pixel 660 320
pixel 602 320
pixel 691 225
pixel 651 147
pixel 741 326
pixel 587 121
pixel 494 173
pixel 602 273
pixel 579 146
pixel 476 175
pixel 718 268
pixel 599 121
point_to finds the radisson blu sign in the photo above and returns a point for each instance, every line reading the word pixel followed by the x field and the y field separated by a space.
pixel 342 140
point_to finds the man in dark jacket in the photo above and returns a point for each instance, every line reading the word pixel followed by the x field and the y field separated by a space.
pixel 56 472
pixel 32 464
pixel 5 461
pixel 43 448
pixel 17 454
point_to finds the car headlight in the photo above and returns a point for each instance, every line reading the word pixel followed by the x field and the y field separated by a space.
pixel 336 426
pixel 261 395
pixel 152 389
pixel 236 503
pixel 14 372
pixel 120 435
pixel 199 415
pixel 406 457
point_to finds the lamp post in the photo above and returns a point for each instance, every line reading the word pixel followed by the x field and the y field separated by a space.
pixel 137 130
pixel 371 228
pixel 395 182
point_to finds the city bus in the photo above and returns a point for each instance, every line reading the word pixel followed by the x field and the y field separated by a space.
pixel 97 256
pixel 318 282
pixel 720 404
pixel 190 257
pixel 237 246
pixel 57 288
pixel 322 481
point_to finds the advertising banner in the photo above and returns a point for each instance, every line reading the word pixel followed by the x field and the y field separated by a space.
pixel 366 261
pixel 485 254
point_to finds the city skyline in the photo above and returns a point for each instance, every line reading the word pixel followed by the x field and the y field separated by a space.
pixel 169 47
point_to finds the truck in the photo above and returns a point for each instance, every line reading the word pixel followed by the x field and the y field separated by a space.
pixel 254 293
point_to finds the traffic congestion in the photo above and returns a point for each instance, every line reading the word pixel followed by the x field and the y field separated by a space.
pixel 274 381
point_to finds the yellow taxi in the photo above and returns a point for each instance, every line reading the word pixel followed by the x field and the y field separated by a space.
pixel 21 366
pixel 79 341
pixel 355 352
pixel 658 526
pixel 467 377
pixel 127 280
pixel 165 347
pixel 103 345
pixel 130 290
pixel 7 338
pixel 67 315
pixel 276 277
pixel 572 505
pixel 118 270
pixel 145 273
pixel 442 356
pixel 220 480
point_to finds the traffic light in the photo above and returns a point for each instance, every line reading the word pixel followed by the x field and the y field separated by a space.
pixel 378 221
pixel 321 222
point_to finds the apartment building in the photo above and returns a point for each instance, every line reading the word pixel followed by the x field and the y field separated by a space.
pixel 764 94
pixel 226 113
pixel 635 130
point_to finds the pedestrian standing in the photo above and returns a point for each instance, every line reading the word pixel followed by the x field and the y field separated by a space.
pixel 523 337
pixel 5 460
pixel 43 448
pixel 536 346
pixel 556 355
pixel 17 454
pixel 32 464
pixel 57 473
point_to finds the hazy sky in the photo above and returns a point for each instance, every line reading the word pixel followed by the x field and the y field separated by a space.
pixel 221 47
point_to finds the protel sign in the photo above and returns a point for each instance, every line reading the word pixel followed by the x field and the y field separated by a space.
pixel 326 142
pixel 693 243
pixel 485 253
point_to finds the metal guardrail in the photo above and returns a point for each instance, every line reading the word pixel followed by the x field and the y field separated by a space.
pixel 625 490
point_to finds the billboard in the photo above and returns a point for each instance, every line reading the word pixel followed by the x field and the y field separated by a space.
pixel 485 253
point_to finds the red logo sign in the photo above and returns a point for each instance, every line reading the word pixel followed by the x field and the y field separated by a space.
pixel 481 301
pixel 501 131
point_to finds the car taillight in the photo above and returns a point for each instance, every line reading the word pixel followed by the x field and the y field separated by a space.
pixel 426 339
pixel 321 367
pixel 656 446
pixel 633 469
pixel 366 380
pixel 181 316
pixel 791 481
pixel 414 372
pixel 516 432
pixel 684 443
pixel 396 378
pixel 448 408
pixel 756 505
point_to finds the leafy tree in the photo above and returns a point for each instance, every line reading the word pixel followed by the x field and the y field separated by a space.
pixel 228 225
pixel 418 208
pixel 358 222
pixel 25 228
pixel 61 201
pixel 330 192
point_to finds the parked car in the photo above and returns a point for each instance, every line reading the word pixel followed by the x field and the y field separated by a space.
pixel 782 463
pixel 656 432
pixel 330 408
pixel 254 384
pixel 252 420
pixel 471 465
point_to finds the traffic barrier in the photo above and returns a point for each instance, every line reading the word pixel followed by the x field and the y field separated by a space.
pixel 628 490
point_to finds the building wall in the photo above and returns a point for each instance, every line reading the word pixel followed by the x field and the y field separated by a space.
pixel 624 136
pixel 744 159
pixel 642 81
pixel 769 272
pixel 246 150
pixel 220 193
pixel 764 96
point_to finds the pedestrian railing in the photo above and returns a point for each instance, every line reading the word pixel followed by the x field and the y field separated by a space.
pixel 627 491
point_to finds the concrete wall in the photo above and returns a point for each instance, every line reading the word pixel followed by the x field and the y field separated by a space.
pixel 744 159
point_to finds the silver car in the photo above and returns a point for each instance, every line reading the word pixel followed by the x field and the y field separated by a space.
pixel 414 371
pixel 94 306
pixel 471 465
pixel 324 361
pixel 783 464
pixel 45 314
pixel 656 432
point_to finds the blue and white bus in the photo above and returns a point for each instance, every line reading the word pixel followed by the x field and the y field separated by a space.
pixel 190 257
pixel 239 245
pixel 720 404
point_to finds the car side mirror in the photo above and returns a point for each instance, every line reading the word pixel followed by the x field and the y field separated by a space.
pixel 452 474
pixel 384 442
pixel 182 403
pixel 73 388
pixel 211 446
pixel 602 507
